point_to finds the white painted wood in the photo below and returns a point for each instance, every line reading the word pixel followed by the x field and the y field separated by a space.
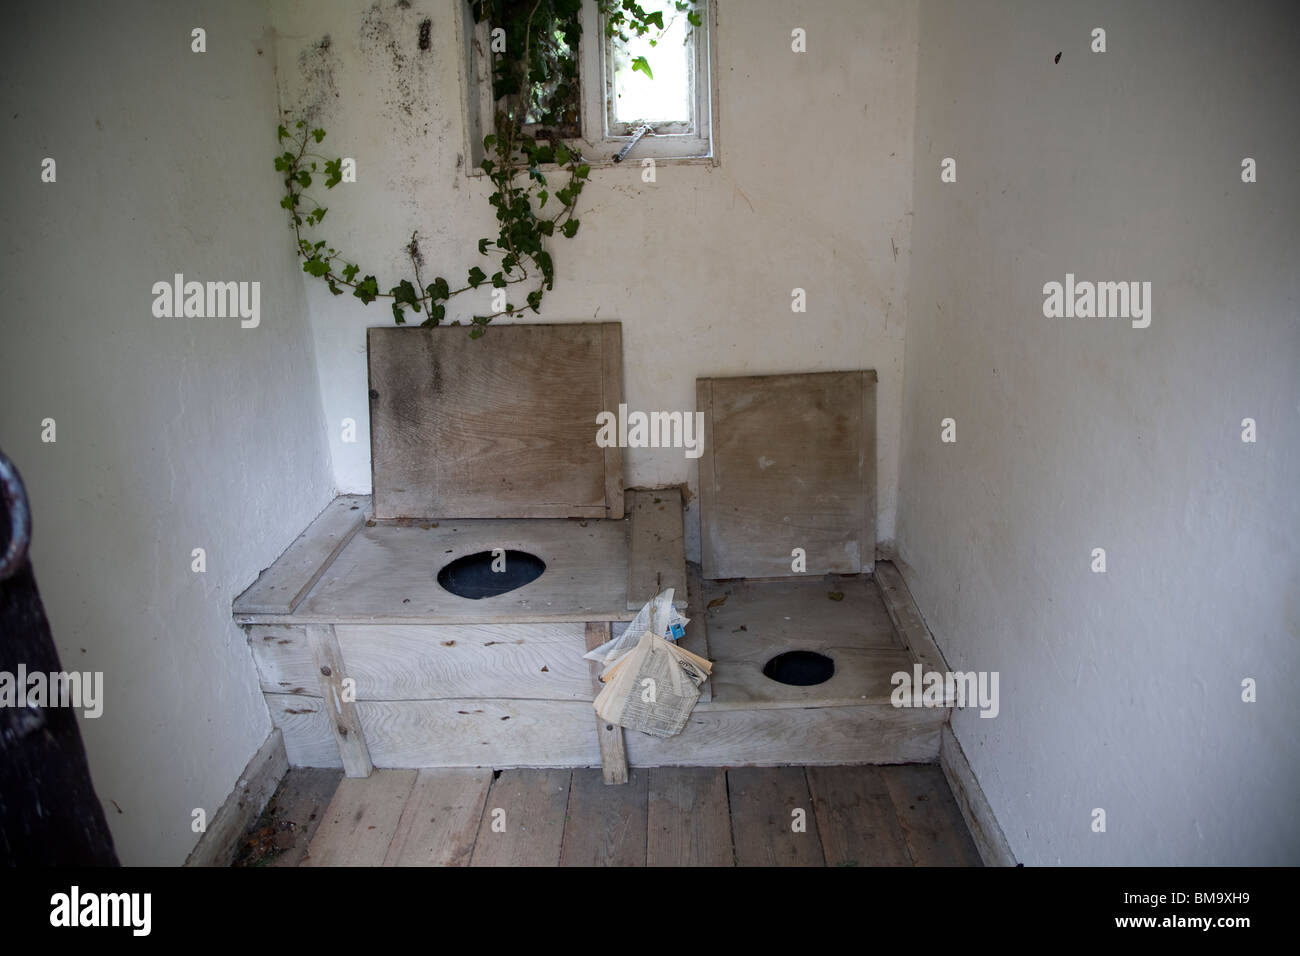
pixel 280 588
pixel 219 843
pixel 424 662
pixel 338 700
pixel 697 630
pixel 983 825
pixel 656 547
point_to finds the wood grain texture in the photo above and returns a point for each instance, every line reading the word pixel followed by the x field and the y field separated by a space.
pixel 763 803
pixel 789 462
pixel 361 820
pixel 612 388
pixel 499 427
pixel 280 588
pixel 441 819
pixel 688 820
pixel 697 629
pixel 534 803
pixel 906 618
pixel 337 702
pixel 808 736
pixel 656 547
pixel 605 826
pixel 426 662
pixel 856 817
pixel 609 736
pixel 552 733
pixel 446 733
pixel 841 617
pixel 931 822
pixel 388 574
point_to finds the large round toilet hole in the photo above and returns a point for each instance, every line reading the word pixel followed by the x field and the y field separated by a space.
pixel 490 573
pixel 800 668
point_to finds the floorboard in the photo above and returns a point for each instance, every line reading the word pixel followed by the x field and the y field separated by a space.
pixel 931 821
pixel 856 817
pixel 441 819
pixel 361 820
pixel 523 819
pixel 606 823
pixel 688 823
pixel 767 826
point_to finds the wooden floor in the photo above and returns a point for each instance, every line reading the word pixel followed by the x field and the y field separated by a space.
pixel 670 816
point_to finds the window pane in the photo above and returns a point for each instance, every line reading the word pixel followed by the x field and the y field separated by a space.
pixel 667 97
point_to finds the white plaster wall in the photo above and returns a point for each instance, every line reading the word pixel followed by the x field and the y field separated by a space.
pixel 1118 690
pixel 813 191
pixel 172 433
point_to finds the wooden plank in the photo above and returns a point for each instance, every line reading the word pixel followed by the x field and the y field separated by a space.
pixel 605 826
pixel 697 629
pixel 840 617
pixel 688 819
pixel 811 736
pixel 501 427
pixel 296 811
pixel 790 464
pixel 612 391
pixel 856 817
pixel 281 587
pixel 441 819
pixel 906 618
pixel 764 802
pixel 361 820
pixel 613 752
pixel 523 819
pixel 338 701
pixel 985 831
pixel 935 832
pixel 656 547
pixel 388 574
pixel 555 733
pixel 426 662
pixel 254 788
pixel 446 733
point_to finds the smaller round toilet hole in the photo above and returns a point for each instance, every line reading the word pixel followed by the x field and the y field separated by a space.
pixel 800 668
pixel 488 574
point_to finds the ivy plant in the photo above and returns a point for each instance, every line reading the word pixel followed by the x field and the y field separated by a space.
pixel 536 177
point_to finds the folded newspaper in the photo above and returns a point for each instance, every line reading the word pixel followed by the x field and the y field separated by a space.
pixel 651 684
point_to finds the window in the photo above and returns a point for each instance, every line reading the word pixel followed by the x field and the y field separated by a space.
pixel 620 88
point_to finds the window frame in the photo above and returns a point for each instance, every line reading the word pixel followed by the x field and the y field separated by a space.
pixel 697 147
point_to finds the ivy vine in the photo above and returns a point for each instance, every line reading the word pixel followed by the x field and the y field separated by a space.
pixel 535 85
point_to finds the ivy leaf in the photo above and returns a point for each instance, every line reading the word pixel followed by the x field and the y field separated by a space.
pixel 569 228
pixel 368 290
pixel 542 196
pixel 320 213
pixel 334 169
pixel 488 166
pixel 498 281
pixel 562 154
pixel 319 134
pixel 546 227
pixel 640 63
pixel 535 300
pixel 350 272
pixel 436 314
pixel 488 140
pixel 281 132
pixel 582 172
pixel 438 289
pixel 693 19
pixel 404 294
pixel 482 246
pixel 316 266
pixel 476 277
pixel 398 316
pixel 304 178
pixel 334 288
